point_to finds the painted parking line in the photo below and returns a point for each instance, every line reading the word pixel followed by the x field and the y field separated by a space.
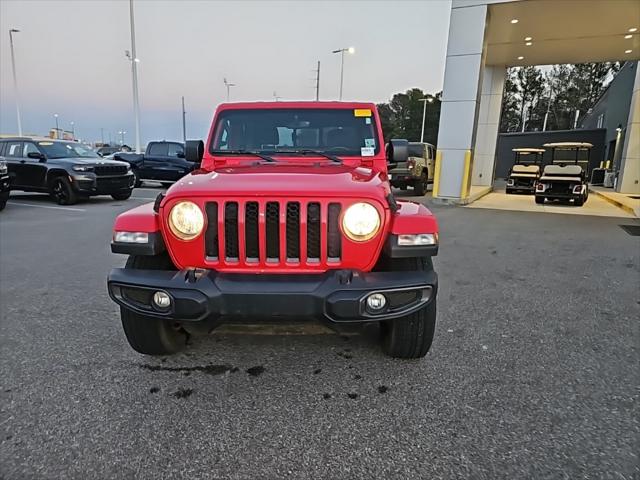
pixel 71 209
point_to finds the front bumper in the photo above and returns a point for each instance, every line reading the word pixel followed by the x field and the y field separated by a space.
pixel 90 184
pixel 337 296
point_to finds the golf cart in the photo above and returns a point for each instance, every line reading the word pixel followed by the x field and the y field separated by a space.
pixel 566 177
pixel 525 171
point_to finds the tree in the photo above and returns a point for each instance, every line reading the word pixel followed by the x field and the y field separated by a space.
pixel 563 91
pixel 401 117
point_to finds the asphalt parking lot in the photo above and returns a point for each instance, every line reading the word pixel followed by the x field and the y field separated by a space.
pixel 534 372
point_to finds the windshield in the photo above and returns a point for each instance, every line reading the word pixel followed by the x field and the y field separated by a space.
pixel 345 132
pixel 66 150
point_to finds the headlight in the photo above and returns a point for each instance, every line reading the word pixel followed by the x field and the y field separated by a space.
pixel 361 221
pixel 83 168
pixel 3 167
pixel 186 220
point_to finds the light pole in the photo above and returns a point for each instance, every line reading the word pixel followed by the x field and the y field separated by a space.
pixel 184 123
pixel 341 51
pixel 425 100
pixel 15 80
pixel 134 74
pixel 55 115
pixel 228 85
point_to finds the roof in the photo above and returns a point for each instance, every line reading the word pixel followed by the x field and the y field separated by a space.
pixel 529 150
pixel 303 104
pixel 569 145
pixel 36 138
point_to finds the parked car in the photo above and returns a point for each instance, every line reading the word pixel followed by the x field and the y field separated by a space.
pixel 65 170
pixel 566 177
pixel 417 171
pixel 162 162
pixel 106 151
pixel 290 215
pixel 525 171
pixel 5 184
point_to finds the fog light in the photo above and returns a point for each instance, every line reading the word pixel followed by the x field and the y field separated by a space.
pixel 161 300
pixel 376 301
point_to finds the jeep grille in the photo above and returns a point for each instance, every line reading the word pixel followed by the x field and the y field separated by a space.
pixel 251 232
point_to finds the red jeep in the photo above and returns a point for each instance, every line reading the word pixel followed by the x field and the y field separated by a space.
pixel 290 215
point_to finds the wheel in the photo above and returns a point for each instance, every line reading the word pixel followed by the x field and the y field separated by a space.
pixel 578 202
pixel 122 196
pixel 62 191
pixel 149 335
pixel 137 181
pixel 508 191
pixel 3 203
pixel 539 200
pixel 422 185
pixel 410 336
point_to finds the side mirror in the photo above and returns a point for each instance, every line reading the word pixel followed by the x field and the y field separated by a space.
pixel 194 151
pixel 180 154
pixel 397 151
pixel 37 155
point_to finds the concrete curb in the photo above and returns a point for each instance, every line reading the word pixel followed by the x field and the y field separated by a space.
pixel 481 192
pixel 615 202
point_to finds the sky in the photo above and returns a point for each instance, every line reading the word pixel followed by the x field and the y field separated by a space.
pixel 70 58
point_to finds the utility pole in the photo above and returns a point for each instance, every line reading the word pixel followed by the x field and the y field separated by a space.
pixel 102 136
pixel 318 82
pixel 15 80
pixel 184 123
pixel 134 73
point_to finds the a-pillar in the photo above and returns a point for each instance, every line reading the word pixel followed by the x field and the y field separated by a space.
pixel 629 177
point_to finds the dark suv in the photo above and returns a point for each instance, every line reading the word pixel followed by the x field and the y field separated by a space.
pixel 65 170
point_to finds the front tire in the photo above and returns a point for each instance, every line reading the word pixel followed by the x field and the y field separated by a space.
pixel 149 335
pixel 62 191
pixel 410 336
pixel 137 182
pixel 539 200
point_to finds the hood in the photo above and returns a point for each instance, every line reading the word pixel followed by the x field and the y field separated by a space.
pixel 283 180
pixel 86 161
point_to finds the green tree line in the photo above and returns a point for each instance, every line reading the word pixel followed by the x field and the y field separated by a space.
pixel 530 95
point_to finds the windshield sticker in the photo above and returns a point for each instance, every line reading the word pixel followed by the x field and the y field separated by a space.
pixel 370 142
pixel 367 121
pixel 367 151
pixel 362 112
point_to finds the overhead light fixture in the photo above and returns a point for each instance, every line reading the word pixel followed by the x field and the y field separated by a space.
pixel 528 44
pixel 628 51
pixel 520 58
pixel 628 36
pixel 634 29
pixel 515 20
pixel 527 39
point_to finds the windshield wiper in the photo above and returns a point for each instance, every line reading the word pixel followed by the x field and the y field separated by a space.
pixel 308 151
pixel 243 152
